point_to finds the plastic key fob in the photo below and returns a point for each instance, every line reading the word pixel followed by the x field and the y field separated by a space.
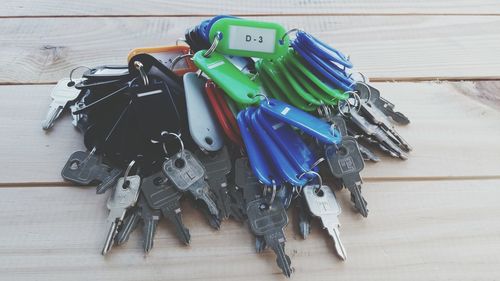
pixel 260 165
pixel 285 168
pixel 222 112
pixel 249 38
pixel 202 123
pixel 333 79
pixel 288 140
pixel 234 83
pixel 323 50
pixel 306 122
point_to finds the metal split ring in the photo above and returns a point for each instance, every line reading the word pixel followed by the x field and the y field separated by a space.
pixel 320 179
pixel 140 67
pixel 265 97
pixel 214 45
pixel 287 33
pixel 73 70
pixel 178 59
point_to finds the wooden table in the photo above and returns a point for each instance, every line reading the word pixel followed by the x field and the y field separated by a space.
pixel 433 217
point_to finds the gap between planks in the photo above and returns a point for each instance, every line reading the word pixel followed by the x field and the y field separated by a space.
pixel 372 79
pixel 365 180
pixel 249 15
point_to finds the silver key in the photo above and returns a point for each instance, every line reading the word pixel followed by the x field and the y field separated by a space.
pixel 304 218
pixel 124 196
pixel 187 174
pixel 150 218
pixel 162 195
pixel 269 221
pixel 387 108
pixel 129 224
pixel 346 163
pixel 63 93
pixel 378 118
pixel 217 166
pixel 323 204
pixel 377 133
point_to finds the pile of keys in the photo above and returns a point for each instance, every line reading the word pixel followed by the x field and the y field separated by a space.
pixel 243 121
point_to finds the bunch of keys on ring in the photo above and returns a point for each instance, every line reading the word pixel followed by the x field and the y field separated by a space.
pixel 241 118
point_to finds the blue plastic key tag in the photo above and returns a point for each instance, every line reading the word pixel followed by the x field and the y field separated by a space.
pixel 323 50
pixel 260 165
pixel 293 146
pixel 306 122
pixel 338 71
pixel 274 153
pixel 333 80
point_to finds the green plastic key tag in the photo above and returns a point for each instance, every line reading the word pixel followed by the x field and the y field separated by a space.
pixel 248 38
pixel 234 83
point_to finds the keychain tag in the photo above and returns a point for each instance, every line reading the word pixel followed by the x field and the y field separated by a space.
pixel 306 122
pixel 334 76
pixel 288 140
pixel 275 75
pixel 224 115
pixel 283 165
pixel 294 59
pixel 260 165
pixel 248 38
pixel 234 83
pixel 202 124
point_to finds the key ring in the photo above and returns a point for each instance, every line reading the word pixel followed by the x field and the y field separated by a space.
pixel 179 58
pixel 273 195
pixel 366 86
pixel 214 45
pixel 94 149
pixel 178 136
pixel 265 97
pixel 73 70
pixel 288 32
pixel 319 179
pixel 126 182
pixel 165 133
pixel 140 67
pixel 346 102
pixel 324 111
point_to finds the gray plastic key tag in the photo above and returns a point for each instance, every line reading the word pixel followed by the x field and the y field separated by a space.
pixel 202 123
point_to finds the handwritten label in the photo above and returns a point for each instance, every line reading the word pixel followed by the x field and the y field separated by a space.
pixel 252 39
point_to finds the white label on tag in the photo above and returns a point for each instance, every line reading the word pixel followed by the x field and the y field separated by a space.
pixel 252 39
pixel 277 126
pixel 150 93
pixel 215 64
pixel 285 111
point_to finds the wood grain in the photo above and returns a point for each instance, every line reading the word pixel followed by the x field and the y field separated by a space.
pixel 239 7
pixel 453 136
pixel 486 92
pixel 383 48
pixel 434 230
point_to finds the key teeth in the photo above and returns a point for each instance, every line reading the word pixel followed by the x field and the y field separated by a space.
pixel 46 126
pixel 287 270
pixel 305 229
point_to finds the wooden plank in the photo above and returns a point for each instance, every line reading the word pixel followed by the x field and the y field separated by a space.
pixel 384 48
pixel 448 131
pixel 239 7
pixel 484 91
pixel 446 230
